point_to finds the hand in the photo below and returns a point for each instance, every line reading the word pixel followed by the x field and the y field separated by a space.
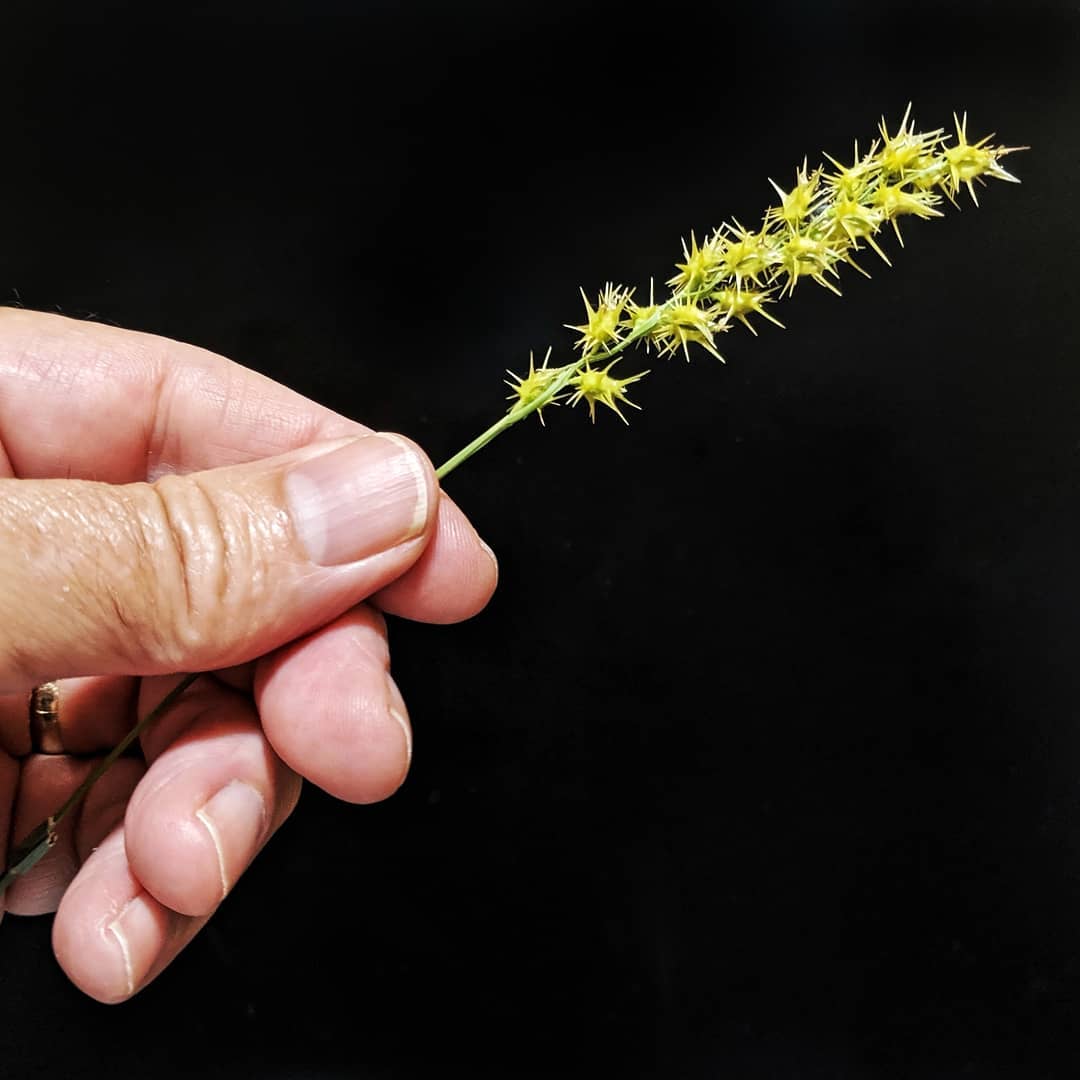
pixel 175 512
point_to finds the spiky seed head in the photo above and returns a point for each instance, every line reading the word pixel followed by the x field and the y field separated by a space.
pixel 686 323
pixel 854 222
pixel 853 181
pixel 748 255
pixel 602 324
pixel 527 388
pixel 970 161
pixel 894 200
pixel 901 152
pixel 930 171
pixel 805 256
pixel 739 303
pixel 796 204
pixel 598 387
pixel 638 316
pixel 700 265
pixel 822 221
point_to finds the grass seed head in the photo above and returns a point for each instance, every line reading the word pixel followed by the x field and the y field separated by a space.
pixel 819 223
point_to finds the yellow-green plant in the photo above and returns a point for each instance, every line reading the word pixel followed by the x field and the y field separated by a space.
pixel 735 273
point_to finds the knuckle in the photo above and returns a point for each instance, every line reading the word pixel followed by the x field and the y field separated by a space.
pixel 162 577
pixel 192 550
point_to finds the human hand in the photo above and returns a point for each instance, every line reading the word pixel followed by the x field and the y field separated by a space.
pixel 165 510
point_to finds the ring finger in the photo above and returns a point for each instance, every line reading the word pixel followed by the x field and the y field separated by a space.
pixel 93 713
pixel 74 720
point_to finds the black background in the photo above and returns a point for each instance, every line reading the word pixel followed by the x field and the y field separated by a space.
pixel 765 759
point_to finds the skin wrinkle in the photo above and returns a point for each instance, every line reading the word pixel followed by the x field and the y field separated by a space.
pixel 216 561
pixel 238 559
pixel 254 536
pixel 165 776
pixel 118 608
pixel 141 541
pixel 258 535
pixel 124 540
pixel 141 555
pixel 185 751
pixel 183 380
pixel 238 405
pixel 114 852
pixel 378 652
pixel 149 374
pixel 219 562
pixel 36 353
pixel 259 549
pixel 183 557
pixel 32 523
pixel 246 409
pixel 162 395
pixel 28 364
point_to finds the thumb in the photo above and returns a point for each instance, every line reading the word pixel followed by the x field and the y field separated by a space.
pixel 198 572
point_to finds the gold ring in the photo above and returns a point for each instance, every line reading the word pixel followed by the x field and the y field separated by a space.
pixel 45 719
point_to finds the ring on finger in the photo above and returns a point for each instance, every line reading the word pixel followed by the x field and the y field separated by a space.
pixel 44 718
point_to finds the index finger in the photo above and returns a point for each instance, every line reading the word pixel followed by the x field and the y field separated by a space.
pixel 94 402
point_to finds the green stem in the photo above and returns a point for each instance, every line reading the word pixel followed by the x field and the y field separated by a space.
pixel 508 420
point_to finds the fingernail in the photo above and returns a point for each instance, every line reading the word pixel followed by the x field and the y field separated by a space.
pixel 234 818
pixel 405 730
pixel 486 549
pixel 135 929
pixel 358 500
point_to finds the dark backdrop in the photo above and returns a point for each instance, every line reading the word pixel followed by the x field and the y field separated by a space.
pixel 765 760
